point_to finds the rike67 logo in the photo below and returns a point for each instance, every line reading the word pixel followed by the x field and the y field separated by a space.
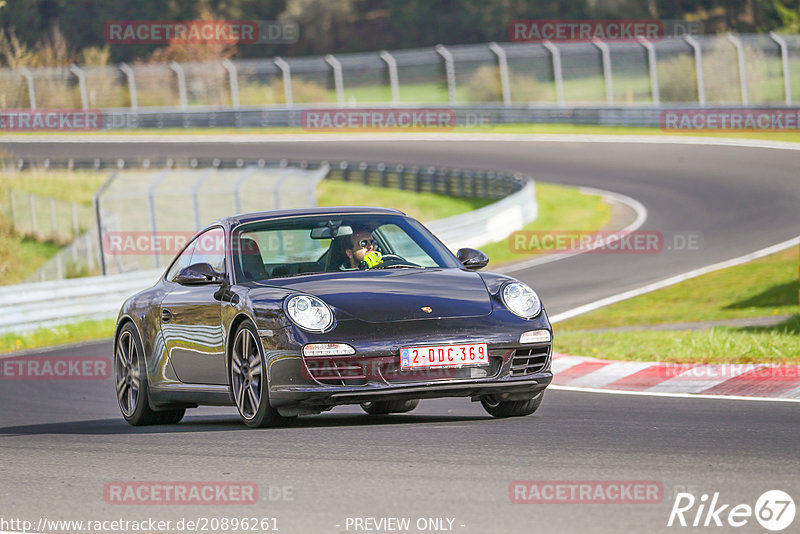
pixel 774 510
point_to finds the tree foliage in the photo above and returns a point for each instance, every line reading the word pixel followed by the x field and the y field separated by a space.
pixel 331 26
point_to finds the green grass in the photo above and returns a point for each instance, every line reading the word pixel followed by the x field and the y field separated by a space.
pixel 422 206
pixel 778 344
pixel 764 287
pixel 767 286
pixel 560 208
pixel 69 186
pixel 60 335
pixel 20 256
pixel 583 129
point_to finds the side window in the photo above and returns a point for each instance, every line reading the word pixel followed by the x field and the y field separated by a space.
pixel 210 249
pixel 183 261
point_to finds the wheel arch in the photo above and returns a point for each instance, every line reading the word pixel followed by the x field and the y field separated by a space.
pixel 235 324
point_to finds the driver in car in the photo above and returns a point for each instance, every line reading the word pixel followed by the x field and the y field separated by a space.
pixel 360 251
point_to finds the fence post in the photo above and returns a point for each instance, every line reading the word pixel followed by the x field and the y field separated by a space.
pixel 75 226
pixel 558 75
pixel 13 209
pixel 286 70
pixel 128 72
pixel 233 80
pixel 178 69
pixel 338 82
pixel 787 83
pixel 393 79
pixel 53 222
pixel 382 174
pixel 78 72
pixel 502 65
pixel 607 76
pixel 652 66
pixel 151 201
pixel 236 189
pixel 737 43
pixel 698 67
pixel 450 72
pixel 34 226
pixel 28 75
pixel 195 199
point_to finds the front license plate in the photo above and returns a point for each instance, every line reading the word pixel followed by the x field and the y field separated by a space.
pixel 444 356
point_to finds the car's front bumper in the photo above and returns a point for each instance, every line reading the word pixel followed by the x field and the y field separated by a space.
pixel 513 374
pixel 509 388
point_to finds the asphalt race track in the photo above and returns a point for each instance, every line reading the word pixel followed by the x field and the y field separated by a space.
pixel 61 442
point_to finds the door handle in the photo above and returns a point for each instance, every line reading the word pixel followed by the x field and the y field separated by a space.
pixel 166 315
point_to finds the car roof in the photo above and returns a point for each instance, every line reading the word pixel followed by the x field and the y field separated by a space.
pixel 235 220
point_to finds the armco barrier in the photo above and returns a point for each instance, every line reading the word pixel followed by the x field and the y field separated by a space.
pixel 478 116
pixel 29 306
pixel 490 223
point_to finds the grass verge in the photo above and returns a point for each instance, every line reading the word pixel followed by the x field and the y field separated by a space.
pixel 59 335
pixel 421 206
pixel 560 208
pixel 764 287
pixel 585 129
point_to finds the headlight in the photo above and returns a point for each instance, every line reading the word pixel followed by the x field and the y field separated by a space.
pixel 309 313
pixel 521 300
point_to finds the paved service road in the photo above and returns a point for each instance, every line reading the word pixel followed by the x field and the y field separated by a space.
pixel 61 442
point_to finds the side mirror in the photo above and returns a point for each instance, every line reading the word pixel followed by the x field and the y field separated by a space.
pixel 472 259
pixel 199 273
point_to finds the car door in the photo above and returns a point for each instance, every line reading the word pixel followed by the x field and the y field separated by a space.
pixel 191 317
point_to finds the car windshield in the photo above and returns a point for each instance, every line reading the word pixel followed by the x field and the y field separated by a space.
pixel 334 243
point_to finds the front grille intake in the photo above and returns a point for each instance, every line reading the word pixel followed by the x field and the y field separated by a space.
pixel 336 371
pixel 529 361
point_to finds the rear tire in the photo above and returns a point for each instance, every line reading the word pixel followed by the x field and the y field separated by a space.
pixel 387 407
pixel 519 408
pixel 248 380
pixel 130 376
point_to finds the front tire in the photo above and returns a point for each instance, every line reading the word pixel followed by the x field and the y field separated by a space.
pixel 130 376
pixel 248 380
pixel 501 409
pixel 387 407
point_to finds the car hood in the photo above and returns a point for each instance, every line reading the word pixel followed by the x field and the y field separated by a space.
pixel 396 295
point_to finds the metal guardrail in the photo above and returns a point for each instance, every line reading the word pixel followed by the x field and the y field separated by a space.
pixel 488 224
pixel 29 306
pixel 476 183
pixel 25 307
pixel 479 117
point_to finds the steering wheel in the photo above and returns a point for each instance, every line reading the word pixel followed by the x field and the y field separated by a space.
pixel 390 260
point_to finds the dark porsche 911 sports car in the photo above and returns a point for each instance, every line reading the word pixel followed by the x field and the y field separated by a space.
pixel 293 312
